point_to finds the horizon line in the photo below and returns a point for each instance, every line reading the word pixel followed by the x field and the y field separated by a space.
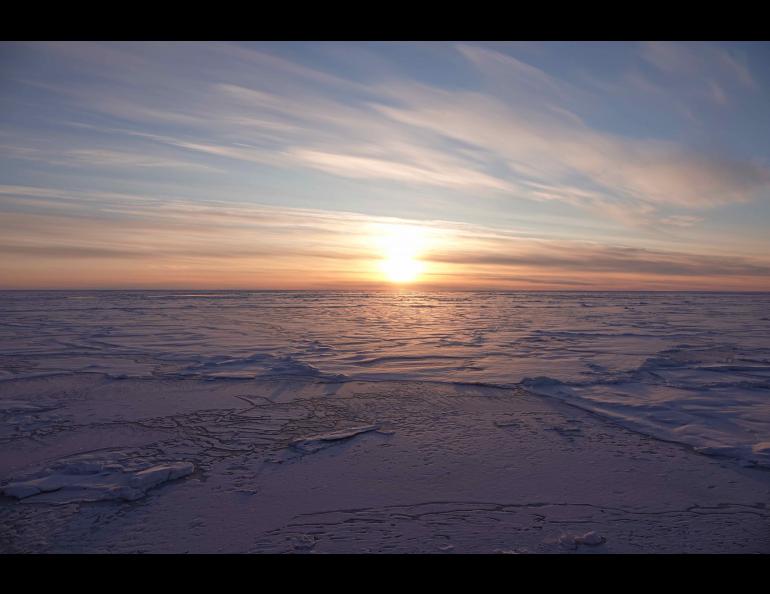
pixel 385 290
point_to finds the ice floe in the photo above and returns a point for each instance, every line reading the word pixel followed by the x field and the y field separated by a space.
pixel 88 480
pixel 572 541
pixel 319 442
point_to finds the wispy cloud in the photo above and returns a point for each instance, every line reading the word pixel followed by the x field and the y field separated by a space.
pixel 261 246
pixel 522 118
pixel 520 124
pixel 699 61
pixel 101 157
pixel 442 174
pixel 550 148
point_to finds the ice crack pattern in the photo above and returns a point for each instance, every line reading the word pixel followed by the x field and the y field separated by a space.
pixel 687 367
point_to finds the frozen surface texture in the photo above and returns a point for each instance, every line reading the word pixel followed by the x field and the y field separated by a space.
pixel 386 422
pixel 687 367
pixel 175 465
pixel 89 480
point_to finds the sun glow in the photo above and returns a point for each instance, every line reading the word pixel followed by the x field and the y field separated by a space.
pixel 401 246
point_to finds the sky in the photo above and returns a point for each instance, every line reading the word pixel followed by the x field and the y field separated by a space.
pixel 352 165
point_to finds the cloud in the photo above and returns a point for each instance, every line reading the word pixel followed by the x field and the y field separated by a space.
pixel 696 60
pixel 365 167
pixel 556 150
pixel 509 140
pixel 101 157
pixel 573 257
pixel 142 240
pixel 518 132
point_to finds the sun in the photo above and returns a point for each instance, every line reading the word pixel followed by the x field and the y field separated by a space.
pixel 401 246
pixel 401 269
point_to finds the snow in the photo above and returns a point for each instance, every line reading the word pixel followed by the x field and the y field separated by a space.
pixel 318 442
pixel 90 481
pixel 374 422
pixel 364 467
pixel 689 367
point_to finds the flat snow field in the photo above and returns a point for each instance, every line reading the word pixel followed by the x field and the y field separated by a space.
pixel 93 464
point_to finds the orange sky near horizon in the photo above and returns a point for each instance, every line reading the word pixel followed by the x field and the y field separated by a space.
pixel 252 247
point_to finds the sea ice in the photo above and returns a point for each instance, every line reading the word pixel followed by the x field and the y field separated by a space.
pixel 571 541
pixel 93 481
pixel 318 442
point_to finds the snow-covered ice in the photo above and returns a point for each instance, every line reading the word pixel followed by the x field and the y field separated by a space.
pixel 318 442
pixel 687 367
pixel 435 422
pixel 89 481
